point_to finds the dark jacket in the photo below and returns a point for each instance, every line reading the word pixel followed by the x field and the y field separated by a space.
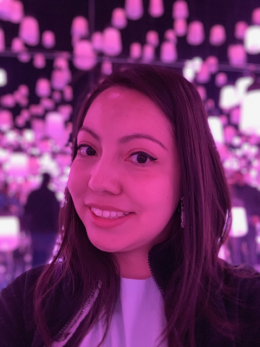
pixel 42 211
pixel 17 327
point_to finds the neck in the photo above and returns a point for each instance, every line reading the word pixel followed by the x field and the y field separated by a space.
pixel 134 264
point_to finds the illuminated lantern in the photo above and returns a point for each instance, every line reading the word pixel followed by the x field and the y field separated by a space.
pixel 97 41
pixel 235 115
pixel 252 39
pixel 34 165
pixel 135 50
pixel 180 9
pixel 65 111
pixel 5 10
pixel 84 57
pixel 106 67
pixel 112 41
pixel 256 16
pixel 8 100
pixel 148 53
pixel 48 39
pixel 229 133
pixel 17 45
pixel 221 79
pixel 156 8
pixel 202 92
pixel 170 35
pixel 188 71
pixel 23 90
pixel 242 84
pixel 216 129
pixel 54 125
pixel 168 53
pixel 36 110
pixel 2 40
pixel 9 235
pixel 119 18
pixel 29 31
pixel 236 55
pixel 43 88
pixel 3 78
pixel 203 75
pixel 239 225
pixel 217 35
pixel 6 120
pixel 212 63
pixel 79 27
pixel 37 126
pixel 134 9
pixel 61 63
pixel 228 97
pixel 56 96
pixel 68 93
pixel 18 165
pixel 240 30
pixel 39 61
pixel 47 103
pixel 180 26
pixel 195 34
pixel 24 56
pixel 250 110
pixel 16 11
pixel 152 37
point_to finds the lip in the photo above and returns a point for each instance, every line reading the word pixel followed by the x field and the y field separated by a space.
pixel 106 222
pixel 106 208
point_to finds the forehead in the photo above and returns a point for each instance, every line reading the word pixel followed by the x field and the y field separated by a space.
pixel 120 108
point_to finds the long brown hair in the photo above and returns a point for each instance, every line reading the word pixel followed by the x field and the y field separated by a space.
pixel 195 248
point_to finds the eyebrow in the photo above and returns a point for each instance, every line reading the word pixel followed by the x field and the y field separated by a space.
pixel 125 138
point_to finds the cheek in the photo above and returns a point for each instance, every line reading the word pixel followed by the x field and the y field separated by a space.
pixel 75 182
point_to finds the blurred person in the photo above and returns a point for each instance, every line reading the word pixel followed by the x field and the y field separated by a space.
pixel 243 195
pixel 41 213
pixel 4 199
pixel 147 209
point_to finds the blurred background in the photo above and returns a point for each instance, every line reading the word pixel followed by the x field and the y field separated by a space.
pixel 52 53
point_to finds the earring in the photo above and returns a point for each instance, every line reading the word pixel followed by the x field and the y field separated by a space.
pixel 182 212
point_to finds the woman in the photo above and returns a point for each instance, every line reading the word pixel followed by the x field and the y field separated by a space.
pixel 143 154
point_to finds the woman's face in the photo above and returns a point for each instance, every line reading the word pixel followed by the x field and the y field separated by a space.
pixel 107 172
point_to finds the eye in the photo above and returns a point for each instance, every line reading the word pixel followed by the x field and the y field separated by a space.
pixel 85 150
pixel 142 156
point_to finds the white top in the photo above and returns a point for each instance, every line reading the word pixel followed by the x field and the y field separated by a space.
pixel 138 318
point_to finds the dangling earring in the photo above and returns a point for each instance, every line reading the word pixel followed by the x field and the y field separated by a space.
pixel 182 212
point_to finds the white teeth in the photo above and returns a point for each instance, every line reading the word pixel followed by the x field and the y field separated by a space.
pixel 108 214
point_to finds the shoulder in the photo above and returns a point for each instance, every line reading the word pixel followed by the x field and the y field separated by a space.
pixel 16 310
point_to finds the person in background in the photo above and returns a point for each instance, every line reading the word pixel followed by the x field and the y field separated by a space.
pixel 243 195
pixel 41 213
pixel 4 199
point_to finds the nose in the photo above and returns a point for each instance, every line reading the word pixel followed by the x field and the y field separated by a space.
pixel 105 177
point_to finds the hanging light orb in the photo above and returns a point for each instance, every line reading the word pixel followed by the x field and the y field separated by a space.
pixel 112 41
pixel 84 57
pixel 156 8
pixel 240 30
pixel 180 26
pixel 195 34
pixel 29 31
pixel 217 35
pixel 135 50
pixel 119 19
pixel 180 10
pixel 48 39
pixel 134 9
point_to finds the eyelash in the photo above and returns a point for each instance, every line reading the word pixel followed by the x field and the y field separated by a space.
pixel 135 153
